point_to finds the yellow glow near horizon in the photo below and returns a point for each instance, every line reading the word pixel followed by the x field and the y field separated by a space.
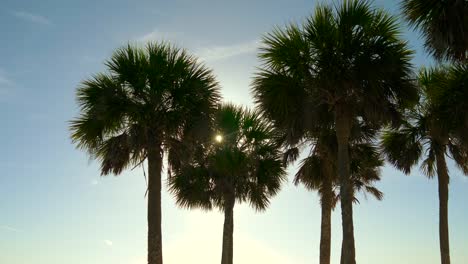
pixel 219 138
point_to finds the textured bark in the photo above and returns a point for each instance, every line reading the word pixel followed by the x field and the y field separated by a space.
pixel 443 178
pixel 154 205
pixel 343 127
pixel 228 231
pixel 325 228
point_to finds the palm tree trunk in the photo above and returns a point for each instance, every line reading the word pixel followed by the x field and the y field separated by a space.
pixel 228 231
pixel 154 204
pixel 325 230
pixel 443 178
pixel 343 127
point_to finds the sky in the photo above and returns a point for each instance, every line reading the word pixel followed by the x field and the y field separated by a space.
pixel 56 208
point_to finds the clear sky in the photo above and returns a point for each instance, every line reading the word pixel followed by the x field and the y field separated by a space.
pixel 54 206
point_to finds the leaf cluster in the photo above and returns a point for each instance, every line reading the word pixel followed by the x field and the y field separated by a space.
pixel 246 165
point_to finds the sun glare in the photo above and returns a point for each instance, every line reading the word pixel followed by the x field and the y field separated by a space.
pixel 219 138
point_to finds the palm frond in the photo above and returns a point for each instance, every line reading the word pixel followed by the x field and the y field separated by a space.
pixel 310 173
pixel 444 26
pixel 374 192
pixel 192 187
pixel 459 154
pixel 158 93
pixel 246 164
pixel 114 154
pixel 402 148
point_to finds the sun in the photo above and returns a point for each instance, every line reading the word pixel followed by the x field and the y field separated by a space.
pixel 219 138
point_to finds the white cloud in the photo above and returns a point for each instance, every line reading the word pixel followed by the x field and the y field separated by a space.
pixel 158 12
pixel 108 242
pixel 205 52
pixel 87 59
pixel 4 80
pixel 9 228
pixel 157 35
pixel 223 52
pixel 94 182
pixel 30 17
pixel 5 83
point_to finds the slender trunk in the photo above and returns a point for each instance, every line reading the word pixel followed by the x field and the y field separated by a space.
pixel 228 241
pixel 343 127
pixel 443 177
pixel 154 204
pixel 325 235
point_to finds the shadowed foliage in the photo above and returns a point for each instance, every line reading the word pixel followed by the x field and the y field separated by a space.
pixel 318 171
pixel 444 25
pixel 365 165
pixel 433 132
pixel 347 63
pixel 244 165
pixel 147 99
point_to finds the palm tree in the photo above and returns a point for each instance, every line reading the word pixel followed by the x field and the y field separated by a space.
pixel 450 98
pixel 148 98
pixel 244 165
pixel 318 172
pixel 348 62
pixel 431 130
pixel 444 25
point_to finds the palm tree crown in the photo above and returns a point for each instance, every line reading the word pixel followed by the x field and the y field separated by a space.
pixel 149 95
pixel 244 162
pixel 352 55
pixel 435 124
pixel 444 25
pixel 365 169
pixel 148 98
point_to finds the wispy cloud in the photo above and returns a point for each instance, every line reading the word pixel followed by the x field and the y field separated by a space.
pixel 4 80
pixel 223 52
pixel 87 59
pixel 108 242
pixel 5 83
pixel 9 228
pixel 30 17
pixel 158 35
pixel 205 52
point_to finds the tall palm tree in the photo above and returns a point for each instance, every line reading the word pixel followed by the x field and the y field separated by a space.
pixel 431 130
pixel 444 25
pixel 244 165
pixel 318 172
pixel 347 61
pixel 148 98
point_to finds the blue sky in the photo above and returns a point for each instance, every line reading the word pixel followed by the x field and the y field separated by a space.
pixel 54 206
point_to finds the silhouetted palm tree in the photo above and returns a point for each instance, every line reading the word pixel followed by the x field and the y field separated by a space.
pixel 348 62
pixel 148 98
pixel 450 98
pixel 243 165
pixel 318 172
pixel 444 25
pixel 431 130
